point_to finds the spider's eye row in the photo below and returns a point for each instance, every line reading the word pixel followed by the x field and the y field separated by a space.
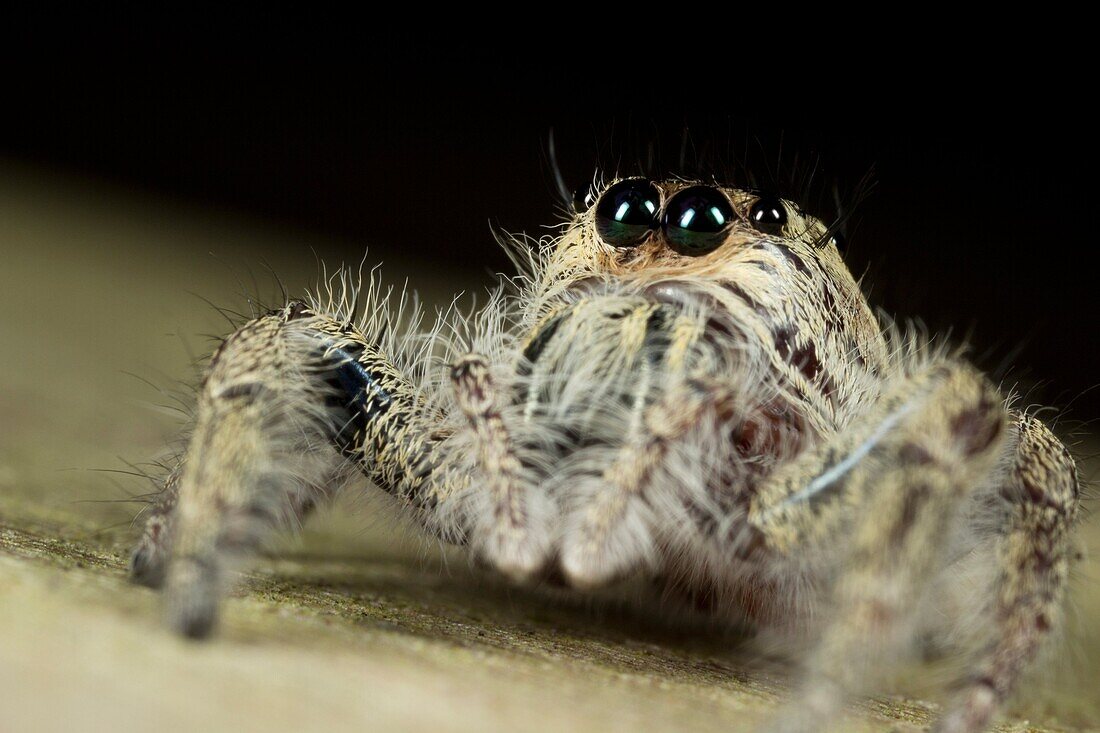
pixel 697 219
pixel 627 212
pixel 768 215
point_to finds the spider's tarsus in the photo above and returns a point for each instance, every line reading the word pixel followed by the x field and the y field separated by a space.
pixel 194 623
pixel 192 604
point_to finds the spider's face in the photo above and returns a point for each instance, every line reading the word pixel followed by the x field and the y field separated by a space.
pixel 642 232
pixel 761 283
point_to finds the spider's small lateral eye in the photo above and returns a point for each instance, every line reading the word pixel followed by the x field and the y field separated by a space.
pixel 768 215
pixel 583 198
pixel 627 212
pixel 697 219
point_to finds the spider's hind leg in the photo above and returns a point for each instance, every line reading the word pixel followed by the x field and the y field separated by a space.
pixel 513 532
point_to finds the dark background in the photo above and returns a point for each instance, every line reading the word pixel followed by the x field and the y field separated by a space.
pixel 981 219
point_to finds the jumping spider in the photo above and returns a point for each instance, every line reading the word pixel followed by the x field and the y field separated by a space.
pixel 686 384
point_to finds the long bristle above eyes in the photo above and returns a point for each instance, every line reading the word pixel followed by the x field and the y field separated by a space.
pixel 840 226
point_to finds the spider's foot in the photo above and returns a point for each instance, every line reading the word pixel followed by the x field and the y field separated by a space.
pixel 192 597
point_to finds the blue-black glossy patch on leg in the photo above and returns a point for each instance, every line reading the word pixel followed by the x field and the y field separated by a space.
pixel 367 416
pixel 359 396
pixel 363 410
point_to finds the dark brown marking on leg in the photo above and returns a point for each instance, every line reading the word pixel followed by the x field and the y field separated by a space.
pixel 247 392
pixel 1036 494
pixel 704 520
pixel 915 454
pixel 977 427
pixel 910 508
pixel 784 336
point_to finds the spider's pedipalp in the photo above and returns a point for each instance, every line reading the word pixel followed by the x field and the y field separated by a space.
pixel 513 534
pixel 611 532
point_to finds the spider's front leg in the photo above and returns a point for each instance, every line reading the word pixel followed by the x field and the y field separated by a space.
pixel 1033 557
pixel 880 501
pixel 284 401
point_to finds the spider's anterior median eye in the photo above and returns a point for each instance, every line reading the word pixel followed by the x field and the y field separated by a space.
pixel 696 220
pixel 627 212
pixel 768 215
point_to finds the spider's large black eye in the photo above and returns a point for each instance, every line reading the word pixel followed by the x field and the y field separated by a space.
pixel 768 215
pixel 696 220
pixel 627 212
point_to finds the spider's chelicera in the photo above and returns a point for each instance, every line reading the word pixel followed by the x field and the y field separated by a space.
pixel 685 384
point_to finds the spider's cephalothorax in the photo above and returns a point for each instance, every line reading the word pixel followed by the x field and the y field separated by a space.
pixel 688 384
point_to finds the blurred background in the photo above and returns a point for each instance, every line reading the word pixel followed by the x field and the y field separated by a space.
pixel 142 181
